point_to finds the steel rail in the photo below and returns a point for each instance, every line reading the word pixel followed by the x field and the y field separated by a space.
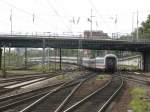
pixel 5 107
pixel 86 98
pixel 71 94
pixel 28 108
pixel 145 82
pixel 112 97
pixel 77 81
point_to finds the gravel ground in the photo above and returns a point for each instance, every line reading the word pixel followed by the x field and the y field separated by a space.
pixel 16 73
pixel 121 104
pixel 51 81
pixel 87 88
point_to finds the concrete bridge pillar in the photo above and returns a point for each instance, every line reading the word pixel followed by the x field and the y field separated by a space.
pixel 1 58
pixel 146 61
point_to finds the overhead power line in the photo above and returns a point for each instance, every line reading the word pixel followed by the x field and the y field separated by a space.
pixel 93 5
pixel 57 13
pixel 27 12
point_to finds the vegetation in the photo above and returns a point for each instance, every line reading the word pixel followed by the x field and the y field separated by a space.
pixel 63 77
pixel 128 67
pixel 100 77
pixel 138 103
pixel 46 68
pixel 144 30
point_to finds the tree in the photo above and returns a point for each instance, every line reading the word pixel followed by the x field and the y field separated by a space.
pixel 144 30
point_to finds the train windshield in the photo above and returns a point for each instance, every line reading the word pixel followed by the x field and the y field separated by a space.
pixel 100 60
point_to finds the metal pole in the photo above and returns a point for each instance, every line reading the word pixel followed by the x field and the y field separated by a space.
pixel 1 58
pixel 43 56
pixel 48 59
pixel 4 68
pixel 60 59
pixel 11 22
pixel 25 56
pixel 137 34
pixel 9 51
pixel 55 51
pixel 9 55
pixel 78 57
pixel 11 35
pixel 91 24
pixel 95 58
pixel 132 24
pixel 80 53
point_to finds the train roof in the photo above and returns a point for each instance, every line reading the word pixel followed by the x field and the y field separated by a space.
pixel 99 57
pixel 110 55
pixel 85 58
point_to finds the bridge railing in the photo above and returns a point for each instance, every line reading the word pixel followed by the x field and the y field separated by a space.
pixel 69 36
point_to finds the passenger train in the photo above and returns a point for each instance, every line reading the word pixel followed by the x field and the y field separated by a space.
pixel 108 62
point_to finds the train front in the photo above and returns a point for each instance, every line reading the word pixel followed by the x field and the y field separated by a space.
pixel 110 63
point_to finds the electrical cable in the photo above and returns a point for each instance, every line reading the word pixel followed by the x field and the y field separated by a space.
pixel 92 4
pixel 59 16
pixel 26 12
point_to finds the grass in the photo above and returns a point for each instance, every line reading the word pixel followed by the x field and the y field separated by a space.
pixel 101 77
pixel 129 67
pixel 18 72
pixel 46 68
pixel 63 77
pixel 138 103
pixel 10 70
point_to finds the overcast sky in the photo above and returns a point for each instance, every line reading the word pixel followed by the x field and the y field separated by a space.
pixel 60 16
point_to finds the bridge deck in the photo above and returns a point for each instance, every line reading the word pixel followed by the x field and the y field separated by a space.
pixel 75 43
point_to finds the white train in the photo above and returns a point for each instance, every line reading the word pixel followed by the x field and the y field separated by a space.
pixel 108 63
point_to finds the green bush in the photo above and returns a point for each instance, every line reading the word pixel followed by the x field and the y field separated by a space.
pixel 138 104
pixel 100 77
pixel 138 92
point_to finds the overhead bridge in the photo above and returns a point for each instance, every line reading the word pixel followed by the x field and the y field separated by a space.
pixel 72 43
pixel 34 41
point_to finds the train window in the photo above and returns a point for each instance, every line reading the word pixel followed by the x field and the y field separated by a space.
pixel 100 61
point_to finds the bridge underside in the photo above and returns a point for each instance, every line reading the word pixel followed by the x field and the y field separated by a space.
pixel 74 44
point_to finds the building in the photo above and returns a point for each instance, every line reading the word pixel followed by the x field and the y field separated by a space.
pixel 95 35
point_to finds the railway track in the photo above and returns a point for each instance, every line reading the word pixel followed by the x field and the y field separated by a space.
pixel 140 74
pixel 84 90
pixel 30 77
pixel 10 81
pixel 10 88
pixel 7 87
pixel 99 99
pixel 134 79
pixel 17 102
pixel 53 99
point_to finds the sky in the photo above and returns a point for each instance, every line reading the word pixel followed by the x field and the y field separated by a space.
pixel 71 16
